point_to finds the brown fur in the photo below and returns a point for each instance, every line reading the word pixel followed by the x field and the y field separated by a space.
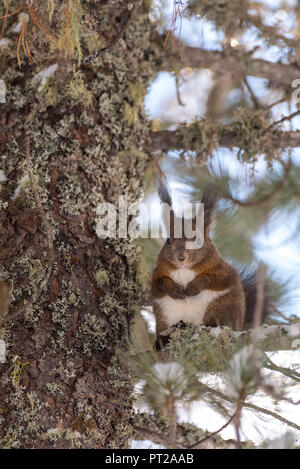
pixel 212 273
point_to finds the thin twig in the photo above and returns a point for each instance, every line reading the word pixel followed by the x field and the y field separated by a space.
pixel 11 14
pixel 177 5
pixel 255 101
pixel 279 101
pixel 41 24
pixel 280 314
pixel 237 418
pixel 72 271
pixel 216 432
pixel 172 420
pixel 155 436
pixel 268 388
pixel 259 304
pixel 265 198
pixel 178 91
pixel 290 373
pixel 21 39
pixel 250 406
pixel 4 22
pixel 285 118
pixel 67 31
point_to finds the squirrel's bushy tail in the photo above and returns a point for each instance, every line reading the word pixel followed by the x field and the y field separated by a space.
pixel 249 280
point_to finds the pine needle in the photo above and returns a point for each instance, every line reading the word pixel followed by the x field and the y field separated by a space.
pixel 67 31
pixel 21 40
pixel 40 25
pixel 4 23
pixel 11 14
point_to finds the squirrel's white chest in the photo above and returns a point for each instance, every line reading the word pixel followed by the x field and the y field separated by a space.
pixel 183 276
pixel 191 309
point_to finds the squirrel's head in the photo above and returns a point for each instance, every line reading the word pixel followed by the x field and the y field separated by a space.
pixel 179 252
pixel 184 252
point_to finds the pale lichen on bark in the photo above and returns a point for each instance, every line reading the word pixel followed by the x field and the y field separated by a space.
pixel 81 155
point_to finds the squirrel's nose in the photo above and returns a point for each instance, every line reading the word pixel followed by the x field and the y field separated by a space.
pixel 181 256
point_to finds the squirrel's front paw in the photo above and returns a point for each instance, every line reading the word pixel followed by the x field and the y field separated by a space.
pixel 192 289
pixel 177 293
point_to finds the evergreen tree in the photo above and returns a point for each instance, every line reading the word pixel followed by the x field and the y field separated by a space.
pixel 73 78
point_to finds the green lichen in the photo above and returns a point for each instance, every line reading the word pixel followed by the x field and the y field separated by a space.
pixel 95 334
pixel 54 389
pixel 76 89
pixel 69 36
pixel 59 310
pixel 84 410
pixel 51 8
pixel 28 267
pixel 252 135
pixel 94 43
pixel 17 371
pixel 202 348
pixel 136 94
pixel 73 198
pixel 28 418
pixel 101 277
pixel 50 92
pixel 66 370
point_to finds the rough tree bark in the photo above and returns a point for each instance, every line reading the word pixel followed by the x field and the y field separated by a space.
pixel 61 385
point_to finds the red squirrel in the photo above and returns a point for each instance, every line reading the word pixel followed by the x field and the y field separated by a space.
pixel 197 285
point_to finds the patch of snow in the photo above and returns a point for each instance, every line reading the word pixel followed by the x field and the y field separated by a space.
pixel 216 331
pixel 3 178
pixel 170 374
pixel 255 426
pixel 149 317
pixel 4 42
pixel 18 189
pixel 42 77
pixel 236 334
pixel 2 92
pixel 239 375
pixel 17 28
pixel 195 337
pixel 286 358
pixel 266 330
pixel 285 441
pixel 293 330
pixel 145 444
pixel 296 344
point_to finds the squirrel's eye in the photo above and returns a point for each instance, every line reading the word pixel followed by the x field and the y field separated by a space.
pixel 168 241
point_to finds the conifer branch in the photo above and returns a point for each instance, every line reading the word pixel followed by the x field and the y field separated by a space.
pixel 167 140
pixel 222 62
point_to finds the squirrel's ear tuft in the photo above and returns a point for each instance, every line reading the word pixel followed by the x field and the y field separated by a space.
pixel 167 211
pixel 164 192
pixel 209 199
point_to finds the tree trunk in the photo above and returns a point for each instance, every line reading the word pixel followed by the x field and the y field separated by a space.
pixel 72 301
